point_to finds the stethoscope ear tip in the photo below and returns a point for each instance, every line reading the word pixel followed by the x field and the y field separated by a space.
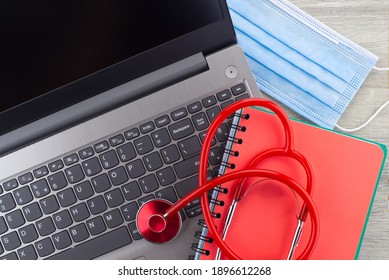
pixel 154 225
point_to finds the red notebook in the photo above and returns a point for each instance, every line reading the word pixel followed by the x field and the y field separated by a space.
pixel 346 171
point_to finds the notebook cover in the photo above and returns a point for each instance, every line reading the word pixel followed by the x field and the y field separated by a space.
pixel 346 171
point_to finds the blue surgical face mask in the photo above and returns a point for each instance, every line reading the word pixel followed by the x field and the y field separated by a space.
pixel 298 60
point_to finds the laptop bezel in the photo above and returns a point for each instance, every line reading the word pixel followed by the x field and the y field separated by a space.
pixel 206 40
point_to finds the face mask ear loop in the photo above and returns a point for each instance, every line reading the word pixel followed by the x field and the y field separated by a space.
pixel 380 69
pixel 367 122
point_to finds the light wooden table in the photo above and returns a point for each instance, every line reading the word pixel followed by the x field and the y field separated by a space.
pixel 365 22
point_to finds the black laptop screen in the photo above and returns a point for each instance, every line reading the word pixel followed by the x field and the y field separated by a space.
pixel 48 44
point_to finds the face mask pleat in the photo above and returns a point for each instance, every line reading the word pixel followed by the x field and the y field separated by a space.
pixel 292 96
pixel 289 72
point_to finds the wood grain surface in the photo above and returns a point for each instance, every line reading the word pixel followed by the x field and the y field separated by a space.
pixel 366 22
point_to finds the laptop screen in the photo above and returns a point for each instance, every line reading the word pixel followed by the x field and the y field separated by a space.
pixel 49 44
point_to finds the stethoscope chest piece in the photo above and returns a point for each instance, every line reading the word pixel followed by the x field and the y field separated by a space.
pixel 153 224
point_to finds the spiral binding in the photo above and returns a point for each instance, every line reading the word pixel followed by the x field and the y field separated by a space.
pixel 201 222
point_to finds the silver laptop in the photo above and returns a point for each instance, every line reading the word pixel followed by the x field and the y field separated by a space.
pixel 104 105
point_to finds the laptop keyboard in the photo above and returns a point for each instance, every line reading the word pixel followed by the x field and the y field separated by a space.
pixel 87 201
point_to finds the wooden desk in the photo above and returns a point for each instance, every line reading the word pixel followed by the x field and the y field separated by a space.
pixel 365 22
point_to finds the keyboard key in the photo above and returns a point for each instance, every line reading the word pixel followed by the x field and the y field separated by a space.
pixel 83 190
pixel 118 176
pixel 109 159
pixel 215 156
pixel 97 205
pixel 166 176
pixel 190 147
pixel 223 95
pixel 116 140
pixel 202 136
pixel 66 197
pixel 181 129
pixel 28 233
pixel 96 226
pixel 10 256
pixel 70 159
pixel 132 133
pixel 40 172
pixel 96 247
pixel 27 253
pixel 193 203
pixel 61 240
pixel 79 212
pixel 45 226
pixel 226 104
pixel 161 137
pixel 179 114
pixel 1 190
pixel 194 107
pixel 129 211
pixel 101 147
pixel 56 165
pixel 148 183
pixel 23 195
pixel 114 198
pixel 62 219
pixel 185 187
pixel 143 145
pixel 40 188
pixel 91 166
pixel 144 199
pixel 14 219
pixel 26 178
pixel 57 181
pixel 126 152
pixel 161 121
pixel 6 203
pixel 193 212
pixel 167 194
pixel 187 167
pixel 238 89
pixel 147 127
pixel 86 153
pixel 134 231
pixel 131 190
pixel 10 185
pixel 200 121
pixel 74 174
pixel 241 97
pixel 212 113
pixel 135 169
pixel 113 218
pixel 170 154
pixel 209 101
pixel 222 133
pixel 32 212
pixel 49 204
pixel 11 241
pixel 1 250
pixel 101 183
pixel 3 225
pixel 79 233
pixel 152 161
pixel 44 247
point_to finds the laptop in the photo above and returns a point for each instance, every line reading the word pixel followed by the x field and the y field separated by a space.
pixel 104 105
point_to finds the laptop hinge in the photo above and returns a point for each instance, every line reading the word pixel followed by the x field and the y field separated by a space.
pixel 103 102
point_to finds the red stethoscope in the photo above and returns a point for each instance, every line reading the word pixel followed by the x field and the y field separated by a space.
pixel 159 220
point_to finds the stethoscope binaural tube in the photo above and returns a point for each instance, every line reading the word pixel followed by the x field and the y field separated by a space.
pixel 159 223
